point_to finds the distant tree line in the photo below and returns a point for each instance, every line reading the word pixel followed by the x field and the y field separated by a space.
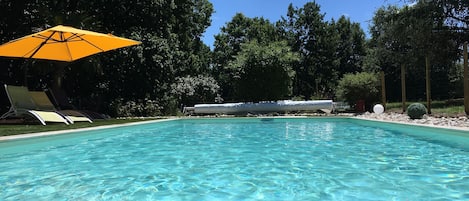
pixel 301 56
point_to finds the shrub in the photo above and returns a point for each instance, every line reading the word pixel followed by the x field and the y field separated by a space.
pixel 191 90
pixel 416 110
pixel 263 72
pixel 139 108
pixel 359 86
pixel 298 98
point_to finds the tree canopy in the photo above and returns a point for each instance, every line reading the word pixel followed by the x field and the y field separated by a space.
pixel 301 56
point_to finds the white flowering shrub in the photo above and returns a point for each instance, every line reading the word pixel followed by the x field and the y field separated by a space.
pixel 191 90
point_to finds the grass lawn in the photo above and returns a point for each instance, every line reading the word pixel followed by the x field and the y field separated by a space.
pixel 449 108
pixel 6 129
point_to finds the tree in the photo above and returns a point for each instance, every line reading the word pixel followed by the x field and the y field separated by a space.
pixel 228 44
pixel 170 32
pixel 350 49
pixel 171 47
pixel 263 72
pixel 406 36
pixel 315 41
pixel 359 86
pixel 385 52
pixel 453 13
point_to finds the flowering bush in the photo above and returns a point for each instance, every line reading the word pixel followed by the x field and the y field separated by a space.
pixel 191 90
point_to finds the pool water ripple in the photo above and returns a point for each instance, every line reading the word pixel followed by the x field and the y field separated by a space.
pixel 282 159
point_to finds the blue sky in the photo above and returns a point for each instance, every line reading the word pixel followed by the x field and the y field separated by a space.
pixel 360 11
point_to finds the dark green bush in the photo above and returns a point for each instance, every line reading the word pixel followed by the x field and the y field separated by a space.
pixel 359 86
pixel 416 110
pixel 139 108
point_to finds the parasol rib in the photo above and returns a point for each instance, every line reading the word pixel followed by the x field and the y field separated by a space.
pixel 42 44
pixel 88 42
pixel 66 44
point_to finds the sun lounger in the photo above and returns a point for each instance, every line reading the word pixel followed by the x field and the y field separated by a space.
pixel 61 102
pixel 23 104
pixel 43 102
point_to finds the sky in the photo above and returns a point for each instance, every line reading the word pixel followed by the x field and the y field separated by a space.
pixel 360 11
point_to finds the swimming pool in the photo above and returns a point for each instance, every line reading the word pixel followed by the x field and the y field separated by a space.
pixel 240 159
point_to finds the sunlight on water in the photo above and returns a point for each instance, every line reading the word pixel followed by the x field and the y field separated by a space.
pixel 239 159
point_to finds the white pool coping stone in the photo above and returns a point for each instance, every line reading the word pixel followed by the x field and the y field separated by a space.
pixel 49 133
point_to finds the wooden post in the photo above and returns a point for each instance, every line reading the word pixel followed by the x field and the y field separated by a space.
pixel 466 80
pixel 383 89
pixel 403 88
pixel 428 86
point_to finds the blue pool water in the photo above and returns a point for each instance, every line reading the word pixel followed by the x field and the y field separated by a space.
pixel 240 159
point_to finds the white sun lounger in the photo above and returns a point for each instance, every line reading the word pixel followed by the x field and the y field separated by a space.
pixel 23 104
pixel 43 102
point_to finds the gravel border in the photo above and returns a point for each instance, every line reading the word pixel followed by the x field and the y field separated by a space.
pixel 447 122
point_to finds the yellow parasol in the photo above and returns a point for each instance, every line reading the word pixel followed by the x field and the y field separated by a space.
pixel 63 43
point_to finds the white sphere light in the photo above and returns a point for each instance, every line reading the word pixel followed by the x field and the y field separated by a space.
pixel 378 109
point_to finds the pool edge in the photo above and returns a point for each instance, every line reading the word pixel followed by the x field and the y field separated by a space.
pixel 51 133
pixel 452 128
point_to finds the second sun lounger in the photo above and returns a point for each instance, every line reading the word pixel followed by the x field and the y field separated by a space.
pixel 43 102
pixel 23 104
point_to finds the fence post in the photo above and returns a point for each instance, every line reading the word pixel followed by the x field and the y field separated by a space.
pixel 383 89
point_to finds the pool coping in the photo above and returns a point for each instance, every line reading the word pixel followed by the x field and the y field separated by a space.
pixel 50 133
pixel 454 128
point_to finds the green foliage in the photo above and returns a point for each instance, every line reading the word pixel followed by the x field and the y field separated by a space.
pixel 139 108
pixel 170 32
pixel 359 86
pixel 298 98
pixel 327 49
pixel 228 44
pixel 263 72
pixel 416 110
pixel 406 36
pixel 247 62
pixel 171 105
pixel 454 13
pixel 315 40
pixel 350 48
